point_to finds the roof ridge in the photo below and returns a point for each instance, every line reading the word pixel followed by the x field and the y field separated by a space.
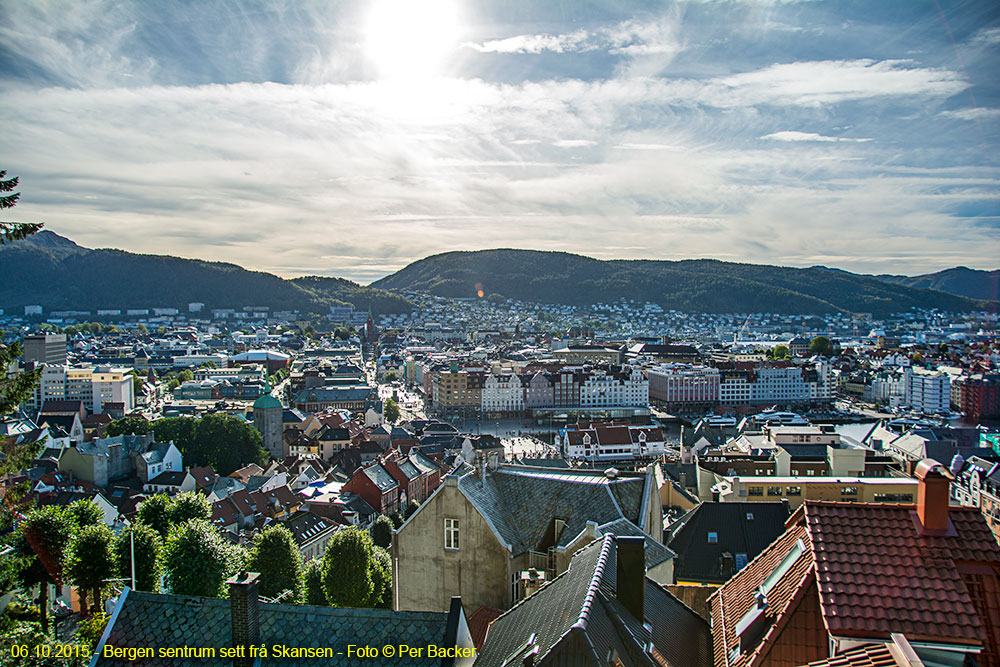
pixel 595 583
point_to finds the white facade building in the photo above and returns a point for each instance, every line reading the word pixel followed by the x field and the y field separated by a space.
pixel 502 393
pixel 604 390
pixel 928 391
pixel 96 387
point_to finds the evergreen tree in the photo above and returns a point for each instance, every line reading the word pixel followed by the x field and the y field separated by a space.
pixel 276 556
pixel 13 231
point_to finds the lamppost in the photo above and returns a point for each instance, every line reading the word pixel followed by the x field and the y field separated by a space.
pixel 131 547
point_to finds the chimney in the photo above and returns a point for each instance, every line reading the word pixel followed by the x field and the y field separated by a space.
pixel 244 609
pixel 932 497
pixel 631 574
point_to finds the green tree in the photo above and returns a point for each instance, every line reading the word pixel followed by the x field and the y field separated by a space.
pixel 85 512
pixel 381 567
pixel 146 546
pixel 391 376
pixel 185 376
pixel 821 345
pixel 410 508
pixel 397 519
pixel 781 352
pixel 178 430
pixel 15 388
pixel 382 531
pixel 46 531
pixel 13 231
pixel 196 560
pixel 347 569
pixel 137 383
pixel 129 425
pixel 89 560
pixel 390 411
pixel 189 505
pixel 315 592
pixel 218 440
pixel 276 556
pixel 154 511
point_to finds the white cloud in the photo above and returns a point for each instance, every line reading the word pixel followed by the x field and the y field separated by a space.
pixel 573 143
pixel 791 135
pixel 976 113
pixel 575 41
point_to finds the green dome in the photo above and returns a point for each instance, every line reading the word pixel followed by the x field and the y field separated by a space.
pixel 266 401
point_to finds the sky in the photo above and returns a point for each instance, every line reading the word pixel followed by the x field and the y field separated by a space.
pixel 351 138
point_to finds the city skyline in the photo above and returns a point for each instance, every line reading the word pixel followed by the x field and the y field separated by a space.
pixel 351 140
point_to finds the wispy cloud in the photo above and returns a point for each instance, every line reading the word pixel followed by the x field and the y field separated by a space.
pixel 982 113
pixel 792 135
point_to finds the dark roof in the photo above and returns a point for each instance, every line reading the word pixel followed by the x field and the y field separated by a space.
pixel 522 501
pixel 59 407
pixel 701 561
pixel 306 526
pixel 576 619
pixel 169 478
pixel 153 620
pixel 380 477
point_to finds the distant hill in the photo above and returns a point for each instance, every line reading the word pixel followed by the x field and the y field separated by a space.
pixel 691 285
pixel 52 271
pixel 961 280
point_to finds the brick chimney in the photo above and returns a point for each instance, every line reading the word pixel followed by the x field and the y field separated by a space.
pixel 244 609
pixel 932 497
pixel 631 574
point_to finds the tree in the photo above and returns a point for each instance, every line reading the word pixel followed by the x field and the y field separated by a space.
pixel 382 531
pixel 146 546
pixel 411 507
pixel 85 512
pixel 196 560
pixel 129 425
pixel 381 568
pixel 276 556
pixel 821 345
pixel 390 411
pixel 15 388
pixel 347 576
pixel 13 231
pixel 89 560
pixel 397 519
pixel 391 376
pixel 315 593
pixel 154 511
pixel 781 352
pixel 218 440
pixel 185 376
pixel 187 506
pixel 46 531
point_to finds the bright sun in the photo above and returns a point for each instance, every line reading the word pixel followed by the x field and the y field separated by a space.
pixel 410 39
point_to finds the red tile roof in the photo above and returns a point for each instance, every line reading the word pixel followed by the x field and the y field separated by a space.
pixel 479 623
pixel 872 655
pixel 877 575
pixel 874 574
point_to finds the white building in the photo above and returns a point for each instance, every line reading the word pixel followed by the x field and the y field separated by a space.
pixel 601 389
pixel 928 391
pixel 502 394
pixel 95 386
pixel 611 442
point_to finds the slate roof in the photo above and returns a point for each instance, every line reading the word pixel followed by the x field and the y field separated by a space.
pixel 699 560
pixel 874 574
pixel 380 477
pixel 156 452
pixel 656 553
pixel 521 501
pixel 306 526
pixel 153 620
pixel 169 478
pixel 576 619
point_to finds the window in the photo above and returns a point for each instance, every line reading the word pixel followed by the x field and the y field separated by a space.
pixel 713 538
pixel 849 491
pixel 755 490
pixel 774 490
pixel 793 491
pixel 451 534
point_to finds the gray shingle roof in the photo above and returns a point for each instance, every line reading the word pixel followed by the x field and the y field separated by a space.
pixel 380 477
pixel 153 620
pixel 522 501
pixel 576 619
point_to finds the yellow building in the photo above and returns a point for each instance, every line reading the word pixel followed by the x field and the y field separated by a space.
pixel 798 489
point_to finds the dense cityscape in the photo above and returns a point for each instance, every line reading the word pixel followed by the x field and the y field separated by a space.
pixel 499 334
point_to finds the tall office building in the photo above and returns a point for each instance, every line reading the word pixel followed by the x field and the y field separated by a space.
pixel 45 348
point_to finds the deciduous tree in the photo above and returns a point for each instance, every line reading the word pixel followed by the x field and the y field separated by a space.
pixel 382 531
pixel 154 511
pixel 390 411
pixel 196 560
pixel 315 592
pixel 85 512
pixel 89 560
pixel 276 556
pixel 147 546
pixel 347 569
pixel 189 505
pixel 46 531
pixel 129 425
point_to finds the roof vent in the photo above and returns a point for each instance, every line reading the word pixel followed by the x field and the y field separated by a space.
pixel 611 473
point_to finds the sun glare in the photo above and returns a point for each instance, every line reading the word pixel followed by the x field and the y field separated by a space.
pixel 410 39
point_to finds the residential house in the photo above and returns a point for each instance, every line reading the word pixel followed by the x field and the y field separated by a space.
pixel 377 487
pixel 845 575
pixel 482 528
pixel 158 458
pixel 171 482
pixel 311 532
